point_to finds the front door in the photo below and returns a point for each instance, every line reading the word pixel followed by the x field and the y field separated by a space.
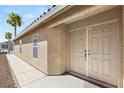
pixel 77 51
pixel 102 62
pixel 93 52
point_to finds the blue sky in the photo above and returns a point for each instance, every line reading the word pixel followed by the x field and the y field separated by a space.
pixel 28 13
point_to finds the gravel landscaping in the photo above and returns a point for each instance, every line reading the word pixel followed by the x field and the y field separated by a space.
pixel 7 78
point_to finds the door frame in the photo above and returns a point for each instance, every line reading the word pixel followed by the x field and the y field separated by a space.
pixel 118 46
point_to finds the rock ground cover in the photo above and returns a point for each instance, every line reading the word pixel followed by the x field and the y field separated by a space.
pixel 6 75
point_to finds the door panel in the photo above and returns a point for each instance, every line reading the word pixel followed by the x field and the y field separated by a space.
pixel 93 44
pixel 77 51
pixel 103 52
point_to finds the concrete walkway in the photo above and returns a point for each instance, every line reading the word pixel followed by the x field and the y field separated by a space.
pixel 30 77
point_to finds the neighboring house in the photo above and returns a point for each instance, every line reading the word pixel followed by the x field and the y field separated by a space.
pixel 85 40
pixel 4 46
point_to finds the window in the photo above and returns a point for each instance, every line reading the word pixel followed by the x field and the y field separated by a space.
pixel 35 46
pixel 20 46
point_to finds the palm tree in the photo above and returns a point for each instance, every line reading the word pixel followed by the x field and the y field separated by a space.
pixel 14 20
pixel 8 36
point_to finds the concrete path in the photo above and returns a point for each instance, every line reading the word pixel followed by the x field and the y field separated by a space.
pixel 30 77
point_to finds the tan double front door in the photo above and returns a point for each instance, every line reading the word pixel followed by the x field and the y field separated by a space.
pixel 93 52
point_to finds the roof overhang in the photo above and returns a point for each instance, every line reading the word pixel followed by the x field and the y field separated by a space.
pixel 51 14
pixel 93 10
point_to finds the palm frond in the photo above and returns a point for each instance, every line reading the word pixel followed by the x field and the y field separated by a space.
pixel 14 20
pixel 8 35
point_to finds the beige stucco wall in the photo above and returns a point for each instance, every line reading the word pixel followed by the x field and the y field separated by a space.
pixel 57 49
pixel 55 59
pixel 41 62
pixel 52 49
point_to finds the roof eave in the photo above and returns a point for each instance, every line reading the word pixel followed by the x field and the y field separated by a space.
pixel 44 18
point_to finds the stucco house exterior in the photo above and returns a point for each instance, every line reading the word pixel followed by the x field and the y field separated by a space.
pixel 84 40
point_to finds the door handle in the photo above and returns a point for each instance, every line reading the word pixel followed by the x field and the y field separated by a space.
pixel 85 54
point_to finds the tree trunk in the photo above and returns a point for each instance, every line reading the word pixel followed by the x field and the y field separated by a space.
pixel 15 31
